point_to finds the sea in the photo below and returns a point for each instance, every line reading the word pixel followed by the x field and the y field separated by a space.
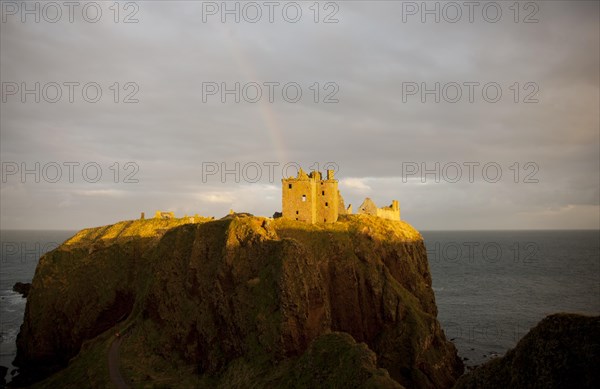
pixel 491 287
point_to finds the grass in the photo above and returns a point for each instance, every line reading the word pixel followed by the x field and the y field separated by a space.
pixel 89 367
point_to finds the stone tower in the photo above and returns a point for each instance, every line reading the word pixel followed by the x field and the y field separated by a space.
pixel 310 198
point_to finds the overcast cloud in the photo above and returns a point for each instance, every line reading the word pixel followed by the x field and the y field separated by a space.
pixel 375 134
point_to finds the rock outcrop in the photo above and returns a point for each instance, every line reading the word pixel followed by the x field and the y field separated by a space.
pixel 3 371
pixel 561 351
pixel 22 288
pixel 277 302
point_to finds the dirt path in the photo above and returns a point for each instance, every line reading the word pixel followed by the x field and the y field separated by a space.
pixel 113 364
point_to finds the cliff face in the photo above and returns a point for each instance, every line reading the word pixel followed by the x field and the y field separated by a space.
pixel 561 351
pixel 247 297
pixel 81 289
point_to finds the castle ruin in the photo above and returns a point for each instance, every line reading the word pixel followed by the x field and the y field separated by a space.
pixel 391 212
pixel 163 215
pixel 310 198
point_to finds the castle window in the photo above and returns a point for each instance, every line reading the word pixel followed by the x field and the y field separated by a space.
pixel 325 220
pixel 303 197
pixel 296 218
pixel 323 193
pixel 290 186
pixel 326 204
pixel 296 212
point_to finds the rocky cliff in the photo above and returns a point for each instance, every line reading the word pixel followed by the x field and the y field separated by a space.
pixel 275 303
pixel 562 351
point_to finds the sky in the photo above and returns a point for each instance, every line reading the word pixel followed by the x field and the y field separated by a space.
pixel 481 115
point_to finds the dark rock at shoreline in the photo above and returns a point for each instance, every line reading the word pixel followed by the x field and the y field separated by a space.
pixel 22 288
pixel 3 371
pixel 561 351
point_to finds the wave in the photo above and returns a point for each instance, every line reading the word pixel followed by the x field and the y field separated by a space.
pixel 12 298
pixel 8 335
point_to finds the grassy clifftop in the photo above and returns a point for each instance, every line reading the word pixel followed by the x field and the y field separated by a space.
pixel 125 231
pixel 223 303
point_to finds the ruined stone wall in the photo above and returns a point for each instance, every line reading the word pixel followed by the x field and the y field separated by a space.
pixel 368 207
pixel 388 213
pixel 392 212
pixel 341 205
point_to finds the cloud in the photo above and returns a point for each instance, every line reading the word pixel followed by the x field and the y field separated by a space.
pixel 355 184
pixel 101 192
pixel 217 197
